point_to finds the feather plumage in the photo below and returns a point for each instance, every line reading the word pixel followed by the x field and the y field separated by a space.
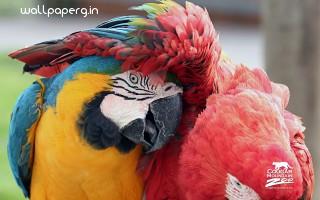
pixel 173 38
pixel 23 124
pixel 248 115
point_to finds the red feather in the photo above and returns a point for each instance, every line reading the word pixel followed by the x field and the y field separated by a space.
pixel 49 71
pixel 242 130
pixel 40 53
pixel 179 40
pixel 301 151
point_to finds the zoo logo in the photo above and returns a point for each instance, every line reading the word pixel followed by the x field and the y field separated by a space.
pixel 281 174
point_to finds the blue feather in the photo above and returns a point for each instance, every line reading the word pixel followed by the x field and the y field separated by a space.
pixel 24 115
pixel 26 112
pixel 116 33
pixel 118 21
pixel 93 64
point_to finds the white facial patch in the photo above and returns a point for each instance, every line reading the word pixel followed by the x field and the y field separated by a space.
pixel 235 190
pixel 122 111
pixel 131 95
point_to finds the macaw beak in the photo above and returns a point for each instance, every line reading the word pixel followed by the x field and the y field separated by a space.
pixel 159 126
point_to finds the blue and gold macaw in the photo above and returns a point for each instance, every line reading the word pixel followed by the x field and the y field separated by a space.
pixel 79 135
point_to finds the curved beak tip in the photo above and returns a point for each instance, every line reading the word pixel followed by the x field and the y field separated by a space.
pixel 167 114
pixel 159 126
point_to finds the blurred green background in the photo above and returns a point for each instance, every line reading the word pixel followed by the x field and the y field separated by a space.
pixel 12 83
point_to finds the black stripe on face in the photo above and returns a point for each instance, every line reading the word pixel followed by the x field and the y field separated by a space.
pixel 130 86
pixel 146 82
pixel 132 98
pixel 141 81
pixel 125 97
pixel 145 98
pixel 132 92
pixel 135 86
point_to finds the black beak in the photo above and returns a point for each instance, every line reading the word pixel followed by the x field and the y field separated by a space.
pixel 160 124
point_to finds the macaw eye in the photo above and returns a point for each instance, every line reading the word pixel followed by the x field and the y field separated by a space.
pixel 133 78
pixel 238 184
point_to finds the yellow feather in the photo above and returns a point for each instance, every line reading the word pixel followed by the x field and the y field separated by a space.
pixel 66 167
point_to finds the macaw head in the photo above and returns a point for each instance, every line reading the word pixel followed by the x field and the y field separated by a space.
pixel 179 39
pixel 240 149
pixel 135 109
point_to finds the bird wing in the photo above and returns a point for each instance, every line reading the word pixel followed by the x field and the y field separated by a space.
pixel 23 125
pixel 169 38
pixel 51 57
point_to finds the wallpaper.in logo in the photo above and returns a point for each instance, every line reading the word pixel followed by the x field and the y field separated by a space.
pixel 42 10
pixel 282 173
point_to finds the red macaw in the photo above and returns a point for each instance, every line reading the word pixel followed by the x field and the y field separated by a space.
pixel 243 131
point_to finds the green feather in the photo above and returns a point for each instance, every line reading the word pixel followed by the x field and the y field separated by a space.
pixel 141 23
pixel 155 9
pixel 172 78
